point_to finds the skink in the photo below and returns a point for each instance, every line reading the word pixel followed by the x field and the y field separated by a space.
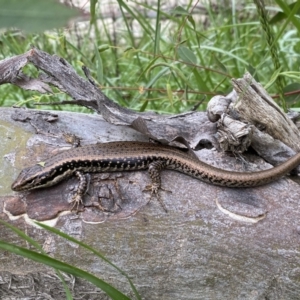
pixel 133 156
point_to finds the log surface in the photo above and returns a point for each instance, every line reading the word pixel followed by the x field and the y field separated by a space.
pixel 214 243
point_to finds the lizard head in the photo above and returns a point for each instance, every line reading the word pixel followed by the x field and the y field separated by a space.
pixel 31 178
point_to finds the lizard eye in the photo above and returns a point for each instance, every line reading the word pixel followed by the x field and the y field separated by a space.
pixel 40 179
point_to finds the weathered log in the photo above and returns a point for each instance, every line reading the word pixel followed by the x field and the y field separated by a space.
pixel 214 243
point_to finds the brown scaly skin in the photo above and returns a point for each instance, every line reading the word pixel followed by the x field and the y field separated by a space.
pixel 133 156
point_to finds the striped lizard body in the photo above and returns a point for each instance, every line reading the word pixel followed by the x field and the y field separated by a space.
pixel 133 156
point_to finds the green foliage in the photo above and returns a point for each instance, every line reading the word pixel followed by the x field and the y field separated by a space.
pixel 272 45
pixel 152 58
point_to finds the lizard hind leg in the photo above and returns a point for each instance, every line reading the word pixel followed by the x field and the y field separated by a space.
pixel 154 172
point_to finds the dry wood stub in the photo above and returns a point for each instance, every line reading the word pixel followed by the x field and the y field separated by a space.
pixel 255 106
pixel 249 116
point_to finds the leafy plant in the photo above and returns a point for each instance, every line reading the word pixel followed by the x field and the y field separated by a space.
pixel 168 60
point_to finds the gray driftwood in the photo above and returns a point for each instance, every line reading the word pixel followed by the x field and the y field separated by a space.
pixel 250 117
pixel 214 243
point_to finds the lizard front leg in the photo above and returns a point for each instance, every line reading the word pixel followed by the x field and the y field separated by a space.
pixel 81 189
pixel 154 172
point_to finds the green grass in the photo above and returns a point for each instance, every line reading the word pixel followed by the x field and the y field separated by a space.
pixel 172 62
pixel 39 255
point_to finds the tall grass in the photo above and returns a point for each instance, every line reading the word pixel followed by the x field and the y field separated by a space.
pixel 167 60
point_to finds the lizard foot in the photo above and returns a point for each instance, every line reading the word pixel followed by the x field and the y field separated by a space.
pixel 154 192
